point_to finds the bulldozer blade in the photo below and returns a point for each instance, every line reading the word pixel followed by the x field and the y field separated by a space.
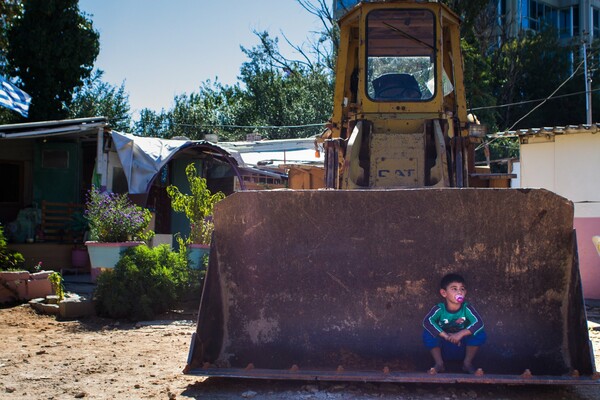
pixel 334 285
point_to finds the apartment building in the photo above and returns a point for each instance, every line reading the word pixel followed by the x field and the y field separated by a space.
pixel 572 18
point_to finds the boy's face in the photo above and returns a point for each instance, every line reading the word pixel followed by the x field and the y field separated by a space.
pixel 453 290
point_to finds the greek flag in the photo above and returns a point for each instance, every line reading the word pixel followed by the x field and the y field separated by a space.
pixel 14 98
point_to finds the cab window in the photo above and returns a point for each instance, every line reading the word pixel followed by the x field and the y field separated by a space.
pixel 401 55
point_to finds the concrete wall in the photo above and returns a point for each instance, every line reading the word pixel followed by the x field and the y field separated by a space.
pixel 568 165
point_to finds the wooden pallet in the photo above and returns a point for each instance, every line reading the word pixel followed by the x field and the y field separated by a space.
pixel 57 221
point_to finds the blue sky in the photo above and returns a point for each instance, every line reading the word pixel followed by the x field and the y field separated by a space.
pixel 161 48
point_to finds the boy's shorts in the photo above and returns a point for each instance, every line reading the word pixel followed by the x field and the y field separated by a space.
pixel 431 341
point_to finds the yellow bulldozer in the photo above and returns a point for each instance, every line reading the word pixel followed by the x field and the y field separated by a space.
pixel 333 284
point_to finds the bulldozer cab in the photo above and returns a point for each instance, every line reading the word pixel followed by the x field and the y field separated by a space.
pixel 396 53
pixel 399 116
pixel 334 284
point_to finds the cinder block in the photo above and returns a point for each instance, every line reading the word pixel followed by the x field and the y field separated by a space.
pixel 76 308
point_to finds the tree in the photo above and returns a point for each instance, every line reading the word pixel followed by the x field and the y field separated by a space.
pixel 97 98
pixel 272 91
pixel 478 78
pixel 9 11
pixel 283 92
pixel 475 17
pixel 52 49
pixel 528 68
pixel 210 110
pixel 323 46
pixel 152 123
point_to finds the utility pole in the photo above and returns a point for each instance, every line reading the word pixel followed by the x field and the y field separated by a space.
pixel 588 83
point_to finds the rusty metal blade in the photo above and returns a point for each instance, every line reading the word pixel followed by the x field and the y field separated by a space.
pixel 341 280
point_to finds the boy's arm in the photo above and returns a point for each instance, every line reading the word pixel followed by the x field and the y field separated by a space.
pixel 430 322
pixel 476 323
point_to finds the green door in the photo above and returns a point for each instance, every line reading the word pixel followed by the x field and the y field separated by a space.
pixel 57 174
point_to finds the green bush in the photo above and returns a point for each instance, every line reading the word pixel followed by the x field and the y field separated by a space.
pixel 145 282
pixel 9 259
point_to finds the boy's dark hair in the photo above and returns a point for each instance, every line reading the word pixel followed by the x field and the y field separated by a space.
pixel 451 278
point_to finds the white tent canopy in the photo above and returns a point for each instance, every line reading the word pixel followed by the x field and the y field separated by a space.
pixel 143 157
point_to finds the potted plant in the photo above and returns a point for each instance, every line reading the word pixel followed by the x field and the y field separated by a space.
pixel 198 208
pixel 115 224
pixel 77 228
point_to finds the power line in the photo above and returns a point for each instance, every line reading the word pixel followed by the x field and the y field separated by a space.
pixel 532 101
pixel 536 107
pixel 549 97
pixel 592 54
pixel 253 126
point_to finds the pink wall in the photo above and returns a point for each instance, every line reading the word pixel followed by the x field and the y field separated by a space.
pixel 589 260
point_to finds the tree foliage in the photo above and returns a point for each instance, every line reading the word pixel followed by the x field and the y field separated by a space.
pixel 285 95
pixel 152 123
pixel 211 110
pixel 528 68
pixel 52 48
pixel 272 91
pixel 9 11
pixel 9 259
pixel 98 98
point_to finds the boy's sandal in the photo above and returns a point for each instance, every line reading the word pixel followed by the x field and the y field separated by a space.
pixel 436 369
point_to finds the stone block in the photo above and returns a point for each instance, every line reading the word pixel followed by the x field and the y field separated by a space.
pixel 76 308
pixel 20 287
pixel 37 305
pixel 42 275
pixel 38 288
pixel 52 299
pixel 14 275
pixel 6 296
pixel 48 308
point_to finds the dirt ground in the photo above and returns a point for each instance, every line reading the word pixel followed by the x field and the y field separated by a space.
pixel 94 358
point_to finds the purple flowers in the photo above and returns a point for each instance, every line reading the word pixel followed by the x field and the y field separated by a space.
pixel 114 218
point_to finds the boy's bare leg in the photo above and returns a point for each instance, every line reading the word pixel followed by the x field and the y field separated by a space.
pixel 436 353
pixel 470 353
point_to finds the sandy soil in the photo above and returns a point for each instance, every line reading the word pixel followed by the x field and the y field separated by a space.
pixel 94 358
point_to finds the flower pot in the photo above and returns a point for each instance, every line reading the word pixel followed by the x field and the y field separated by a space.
pixel 79 258
pixel 196 253
pixel 105 256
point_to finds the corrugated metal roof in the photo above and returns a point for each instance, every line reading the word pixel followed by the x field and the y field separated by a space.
pixel 551 131
pixel 80 126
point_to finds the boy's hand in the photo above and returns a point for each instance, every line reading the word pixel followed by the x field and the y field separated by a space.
pixel 455 338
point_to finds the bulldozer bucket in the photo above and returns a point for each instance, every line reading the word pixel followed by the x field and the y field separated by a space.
pixel 334 285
